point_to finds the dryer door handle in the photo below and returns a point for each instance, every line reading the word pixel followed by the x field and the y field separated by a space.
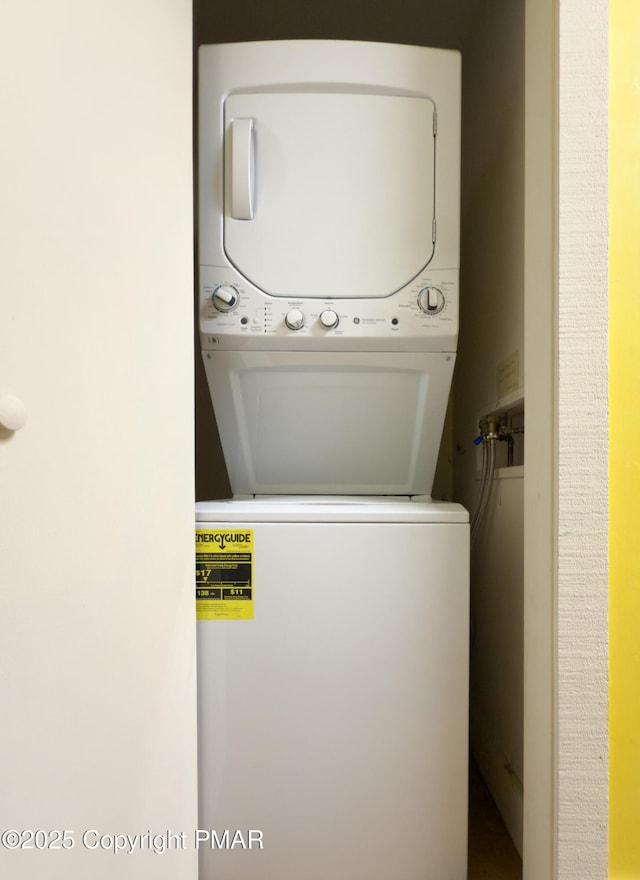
pixel 242 184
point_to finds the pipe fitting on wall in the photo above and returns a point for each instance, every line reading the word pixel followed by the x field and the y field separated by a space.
pixel 490 428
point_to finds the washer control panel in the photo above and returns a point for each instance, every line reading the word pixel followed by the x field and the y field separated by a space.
pixel 234 314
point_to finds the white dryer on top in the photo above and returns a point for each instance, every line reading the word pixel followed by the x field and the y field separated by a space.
pixel 329 176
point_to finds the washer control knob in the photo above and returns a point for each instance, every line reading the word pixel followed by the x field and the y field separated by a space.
pixel 431 300
pixel 294 319
pixel 329 319
pixel 225 298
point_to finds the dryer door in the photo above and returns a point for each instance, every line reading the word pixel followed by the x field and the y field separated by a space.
pixel 326 423
pixel 329 195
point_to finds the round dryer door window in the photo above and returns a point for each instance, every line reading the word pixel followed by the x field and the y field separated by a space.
pixel 329 194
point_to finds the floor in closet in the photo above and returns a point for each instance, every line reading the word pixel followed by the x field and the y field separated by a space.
pixel 492 855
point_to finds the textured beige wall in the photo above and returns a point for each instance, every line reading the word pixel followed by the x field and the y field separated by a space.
pixel 582 441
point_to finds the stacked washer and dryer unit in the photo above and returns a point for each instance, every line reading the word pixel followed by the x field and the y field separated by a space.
pixel 333 702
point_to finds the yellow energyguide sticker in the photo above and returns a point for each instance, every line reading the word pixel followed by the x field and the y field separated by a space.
pixel 224 574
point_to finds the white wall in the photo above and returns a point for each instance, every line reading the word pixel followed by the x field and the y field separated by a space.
pixel 97 681
pixel 492 332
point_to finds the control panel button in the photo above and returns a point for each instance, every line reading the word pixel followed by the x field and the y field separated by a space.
pixel 329 319
pixel 294 319
pixel 225 298
pixel 431 300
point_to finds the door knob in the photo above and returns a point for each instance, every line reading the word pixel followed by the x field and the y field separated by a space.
pixel 13 413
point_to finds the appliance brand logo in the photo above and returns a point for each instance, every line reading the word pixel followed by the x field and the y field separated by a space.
pixel 222 539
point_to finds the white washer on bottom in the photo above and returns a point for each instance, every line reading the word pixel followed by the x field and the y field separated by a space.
pixel 333 725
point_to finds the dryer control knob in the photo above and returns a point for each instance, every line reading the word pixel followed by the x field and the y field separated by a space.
pixel 431 300
pixel 225 298
pixel 329 319
pixel 294 319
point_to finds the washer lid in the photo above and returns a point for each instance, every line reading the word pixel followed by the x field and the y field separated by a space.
pixel 317 509
pixel 329 194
